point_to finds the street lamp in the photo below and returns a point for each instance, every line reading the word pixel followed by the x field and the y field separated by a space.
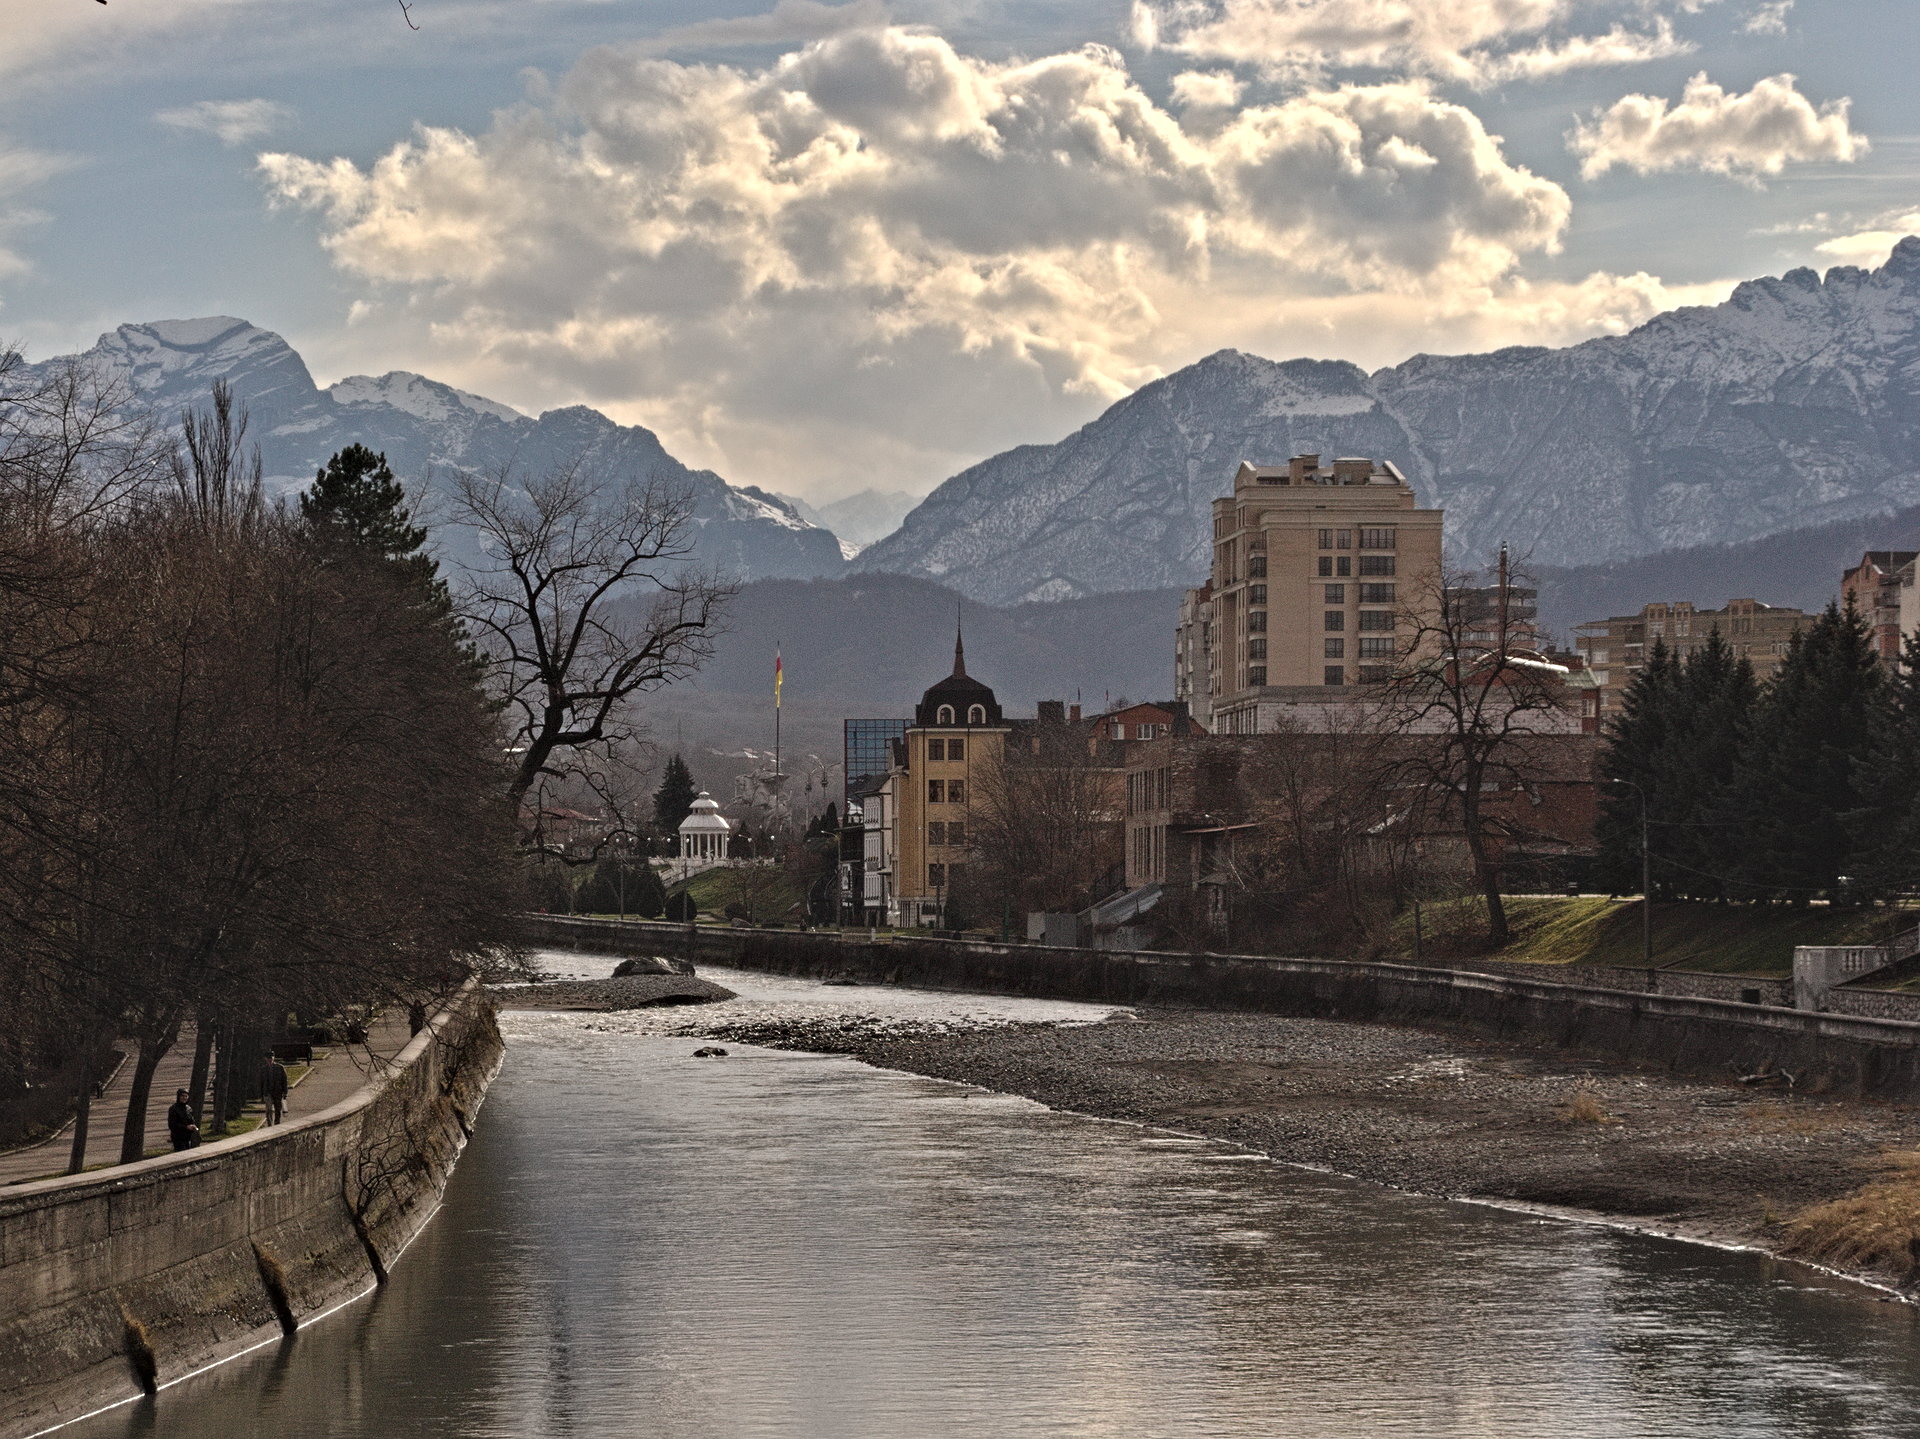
pixel 1646 882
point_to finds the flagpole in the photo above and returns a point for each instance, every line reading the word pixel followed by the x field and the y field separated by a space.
pixel 779 677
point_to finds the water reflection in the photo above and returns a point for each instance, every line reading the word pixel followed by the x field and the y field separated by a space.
pixel 775 1244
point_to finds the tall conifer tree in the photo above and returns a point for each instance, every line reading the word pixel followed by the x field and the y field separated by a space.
pixel 1713 702
pixel 1637 752
pixel 1889 826
pixel 673 801
pixel 1806 770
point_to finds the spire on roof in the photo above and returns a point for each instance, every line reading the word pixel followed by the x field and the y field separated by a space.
pixel 959 647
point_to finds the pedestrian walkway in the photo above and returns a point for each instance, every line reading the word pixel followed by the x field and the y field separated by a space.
pixel 344 1069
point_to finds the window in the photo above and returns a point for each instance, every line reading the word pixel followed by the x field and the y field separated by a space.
pixel 943 715
pixel 1375 674
pixel 1380 539
pixel 1333 649
pixel 1376 564
pixel 1143 731
pixel 1326 565
pixel 1336 594
pixel 956 835
pixel 937 834
pixel 976 714
pixel 1343 539
pixel 936 749
pixel 1256 649
pixel 936 791
pixel 937 876
pixel 1116 730
pixel 1334 675
pixel 1256 622
pixel 956 749
pixel 1326 539
pixel 1376 594
pixel 1376 649
pixel 1256 567
pixel 956 791
pixel 1335 620
pixel 1343 566
pixel 1256 675
pixel 1256 594
pixel 1376 620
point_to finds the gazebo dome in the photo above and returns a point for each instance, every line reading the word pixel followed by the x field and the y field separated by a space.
pixel 958 701
pixel 703 833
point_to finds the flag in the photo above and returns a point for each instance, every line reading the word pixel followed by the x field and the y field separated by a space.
pixel 779 676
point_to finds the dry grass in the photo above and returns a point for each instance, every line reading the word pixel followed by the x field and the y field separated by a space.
pixel 1775 1117
pixel 1875 1228
pixel 1584 1107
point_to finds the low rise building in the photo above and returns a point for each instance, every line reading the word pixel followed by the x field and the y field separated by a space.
pixel 1875 587
pixel 1616 649
pixel 1195 675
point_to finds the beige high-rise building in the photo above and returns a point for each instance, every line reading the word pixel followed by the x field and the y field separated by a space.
pixel 1617 648
pixel 1320 574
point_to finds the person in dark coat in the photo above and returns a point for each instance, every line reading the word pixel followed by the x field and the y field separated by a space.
pixel 273 1090
pixel 182 1127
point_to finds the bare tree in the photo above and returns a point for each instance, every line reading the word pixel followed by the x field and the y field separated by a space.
pixel 1475 704
pixel 1045 822
pixel 585 599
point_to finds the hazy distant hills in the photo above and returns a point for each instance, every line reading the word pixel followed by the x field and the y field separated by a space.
pixel 427 427
pixel 1795 403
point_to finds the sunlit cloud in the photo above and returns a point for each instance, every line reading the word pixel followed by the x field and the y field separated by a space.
pixel 232 122
pixel 1751 133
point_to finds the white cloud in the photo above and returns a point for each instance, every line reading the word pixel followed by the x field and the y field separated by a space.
pixel 1729 133
pixel 21 169
pixel 1476 42
pixel 1206 90
pixel 1870 247
pixel 233 122
pixel 1768 19
pixel 789 21
pixel 878 255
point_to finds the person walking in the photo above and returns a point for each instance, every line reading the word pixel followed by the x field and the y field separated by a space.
pixel 273 1090
pixel 183 1127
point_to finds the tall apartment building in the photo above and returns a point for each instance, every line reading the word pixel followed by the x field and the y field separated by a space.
pixel 1875 586
pixel 1616 648
pixel 1319 576
pixel 1193 660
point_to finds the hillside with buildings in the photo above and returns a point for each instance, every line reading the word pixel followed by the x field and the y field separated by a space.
pixel 1795 403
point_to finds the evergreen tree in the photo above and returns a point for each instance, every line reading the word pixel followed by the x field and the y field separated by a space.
pixel 1806 771
pixel 1889 826
pixel 618 886
pixel 673 801
pixel 1713 702
pixel 1638 752
pixel 681 908
pixel 356 498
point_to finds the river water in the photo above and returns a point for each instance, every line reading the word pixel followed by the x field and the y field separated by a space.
pixel 642 1243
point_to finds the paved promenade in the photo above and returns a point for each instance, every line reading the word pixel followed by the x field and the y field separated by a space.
pixel 345 1069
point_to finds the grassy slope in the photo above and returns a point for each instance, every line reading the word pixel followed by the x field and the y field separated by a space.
pixel 1722 939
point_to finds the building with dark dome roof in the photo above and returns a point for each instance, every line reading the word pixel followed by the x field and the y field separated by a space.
pixel 959 700
pixel 958 735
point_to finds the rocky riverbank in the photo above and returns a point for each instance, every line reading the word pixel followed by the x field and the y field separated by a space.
pixel 1728 1161
pixel 636 991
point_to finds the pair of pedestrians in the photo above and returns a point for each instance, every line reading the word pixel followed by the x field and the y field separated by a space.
pixel 183 1125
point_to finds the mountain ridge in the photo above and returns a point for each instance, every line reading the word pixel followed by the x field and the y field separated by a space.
pixel 1795 402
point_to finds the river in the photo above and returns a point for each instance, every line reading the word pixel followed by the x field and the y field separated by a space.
pixel 639 1243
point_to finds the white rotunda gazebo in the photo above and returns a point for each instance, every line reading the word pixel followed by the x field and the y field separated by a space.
pixel 704 832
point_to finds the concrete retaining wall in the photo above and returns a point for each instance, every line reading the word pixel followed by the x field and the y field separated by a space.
pixel 1706 1036
pixel 130 1277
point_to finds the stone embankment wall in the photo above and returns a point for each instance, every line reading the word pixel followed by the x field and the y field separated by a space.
pixel 1710 1036
pixel 128 1278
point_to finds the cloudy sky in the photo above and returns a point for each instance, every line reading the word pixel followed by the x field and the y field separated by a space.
pixel 825 246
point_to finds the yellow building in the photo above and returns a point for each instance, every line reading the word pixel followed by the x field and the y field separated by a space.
pixel 957 735
pixel 1320 576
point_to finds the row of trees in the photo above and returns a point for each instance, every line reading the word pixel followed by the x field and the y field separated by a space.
pixel 259 760
pixel 250 765
pixel 1806 787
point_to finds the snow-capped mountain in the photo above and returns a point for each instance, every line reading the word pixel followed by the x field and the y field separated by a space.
pixel 1794 403
pixel 425 427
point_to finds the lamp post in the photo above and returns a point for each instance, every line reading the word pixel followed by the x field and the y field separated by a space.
pixel 1646 883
